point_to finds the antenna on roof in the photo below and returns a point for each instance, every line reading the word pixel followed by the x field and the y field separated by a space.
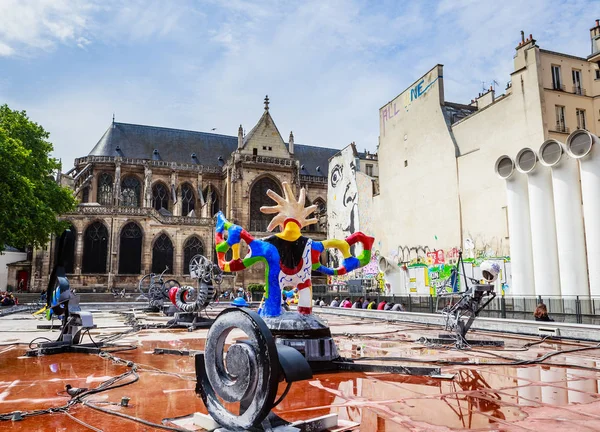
pixel 495 83
pixel 113 118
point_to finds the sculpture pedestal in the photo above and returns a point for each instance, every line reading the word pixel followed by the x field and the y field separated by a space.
pixel 305 333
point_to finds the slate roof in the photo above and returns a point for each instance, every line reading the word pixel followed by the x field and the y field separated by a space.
pixel 176 145
pixel 313 157
pixel 454 112
pixel 173 145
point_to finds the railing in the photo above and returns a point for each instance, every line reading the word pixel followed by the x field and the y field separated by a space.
pixel 312 179
pixel 561 127
pixel 573 309
pixel 153 163
pixel 556 86
pixel 142 211
pixel 269 160
pixel 579 91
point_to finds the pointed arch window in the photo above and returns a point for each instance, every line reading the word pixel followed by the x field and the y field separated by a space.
pixel 162 254
pixel 258 198
pixel 130 192
pixel 188 199
pixel 130 249
pixel 193 246
pixel 212 198
pixel 105 189
pixel 69 251
pixel 95 248
pixel 321 214
pixel 160 197
pixel 85 194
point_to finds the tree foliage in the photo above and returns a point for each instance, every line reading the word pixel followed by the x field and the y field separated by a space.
pixel 30 197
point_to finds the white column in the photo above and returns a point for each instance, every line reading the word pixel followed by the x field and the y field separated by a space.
pixel 555 394
pixel 529 391
pixel 519 228
pixel 581 384
pixel 543 223
pixel 570 235
pixel 584 146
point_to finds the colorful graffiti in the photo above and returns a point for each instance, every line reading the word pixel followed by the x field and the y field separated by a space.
pixel 413 93
pixel 424 271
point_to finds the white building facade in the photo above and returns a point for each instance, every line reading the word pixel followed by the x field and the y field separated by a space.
pixel 440 191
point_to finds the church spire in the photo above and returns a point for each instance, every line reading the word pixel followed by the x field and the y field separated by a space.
pixel 291 143
pixel 267 103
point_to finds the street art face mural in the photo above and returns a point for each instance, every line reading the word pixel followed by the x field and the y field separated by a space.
pixel 342 195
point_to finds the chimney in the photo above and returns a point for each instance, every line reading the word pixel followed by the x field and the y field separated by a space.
pixel 240 137
pixel 595 38
pixel 291 143
pixel 522 37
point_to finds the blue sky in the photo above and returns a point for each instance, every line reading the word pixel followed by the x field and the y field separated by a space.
pixel 327 66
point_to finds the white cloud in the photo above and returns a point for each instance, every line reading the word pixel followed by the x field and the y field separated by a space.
pixel 27 26
pixel 5 50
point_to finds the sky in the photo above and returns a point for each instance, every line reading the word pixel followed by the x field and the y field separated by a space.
pixel 327 65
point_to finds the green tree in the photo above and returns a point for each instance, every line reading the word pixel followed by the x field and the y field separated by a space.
pixel 30 198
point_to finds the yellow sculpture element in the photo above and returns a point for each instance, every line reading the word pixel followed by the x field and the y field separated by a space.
pixel 289 208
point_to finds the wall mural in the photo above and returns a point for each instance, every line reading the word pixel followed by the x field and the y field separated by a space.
pixel 426 271
pixel 420 270
pixel 344 192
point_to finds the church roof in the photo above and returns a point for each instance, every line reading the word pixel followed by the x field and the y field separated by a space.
pixel 176 145
pixel 173 145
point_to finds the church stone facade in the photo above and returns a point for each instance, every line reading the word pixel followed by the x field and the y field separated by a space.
pixel 148 196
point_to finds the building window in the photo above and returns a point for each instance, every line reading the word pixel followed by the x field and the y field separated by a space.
pixel 160 197
pixel 321 214
pixel 580 114
pixel 577 88
pixel 561 125
pixel 597 73
pixel 405 163
pixel 188 199
pixel 212 199
pixel 130 192
pixel 162 255
pixel 95 249
pixel 369 170
pixel 193 246
pixel 556 78
pixel 130 249
pixel 254 152
pixel 258 198
pixel 105 185
pixel 69 250
pixel 85 194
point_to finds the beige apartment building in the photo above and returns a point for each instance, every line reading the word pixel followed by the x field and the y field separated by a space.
pixel 438 186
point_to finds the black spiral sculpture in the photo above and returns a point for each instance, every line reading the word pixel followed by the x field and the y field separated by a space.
pixel 247 373
pixel 203 296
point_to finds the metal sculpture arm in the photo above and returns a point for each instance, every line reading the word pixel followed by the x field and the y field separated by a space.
pixel 350 262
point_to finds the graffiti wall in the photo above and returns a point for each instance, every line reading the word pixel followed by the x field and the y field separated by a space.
pixel 420 270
